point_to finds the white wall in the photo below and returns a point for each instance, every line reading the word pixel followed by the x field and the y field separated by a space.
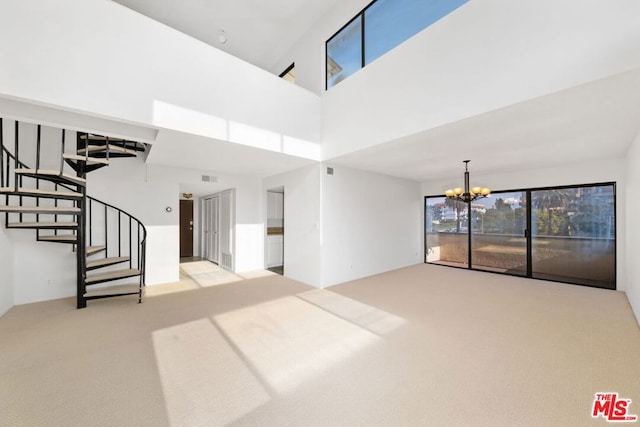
pixel 348 225
pixel 140 71
pixel 145 191
pixel 129 184
pixel 42 270
pixel 6 272
pixel 612 170
pixel 552 28
pixel 370 224
pixel 302 222
pixel 308 52
pixel 484 56
pixel 632 229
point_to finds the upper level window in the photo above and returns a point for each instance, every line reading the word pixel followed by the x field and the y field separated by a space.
pixel 289 74
pixel 344 52
pixel 377 29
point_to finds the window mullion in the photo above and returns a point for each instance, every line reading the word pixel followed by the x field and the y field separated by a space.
pixel 362 40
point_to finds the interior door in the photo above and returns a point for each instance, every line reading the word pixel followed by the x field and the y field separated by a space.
pixel 186 228
pixel 206 228
pixel 211 225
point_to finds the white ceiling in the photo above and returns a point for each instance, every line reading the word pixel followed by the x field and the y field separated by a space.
pixel 589 122
pixel 593 121
pixel 597 120
pixel 257 31
pixel 188 151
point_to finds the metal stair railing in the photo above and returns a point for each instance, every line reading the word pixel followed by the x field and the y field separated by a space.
pixel 85 229
pixel 120 237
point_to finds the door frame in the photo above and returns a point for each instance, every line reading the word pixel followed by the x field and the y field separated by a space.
pixel 281 190
pixel 232 224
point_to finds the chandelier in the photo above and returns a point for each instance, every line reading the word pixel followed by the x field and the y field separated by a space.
pixel 465 194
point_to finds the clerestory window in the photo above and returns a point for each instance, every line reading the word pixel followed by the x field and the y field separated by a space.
pixel 377 29
pixel 289 74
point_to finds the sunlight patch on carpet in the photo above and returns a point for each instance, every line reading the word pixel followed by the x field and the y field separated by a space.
pixel 254 274
pixel 363 315
pixel 207 274
pixel 203 380
pixel 289 341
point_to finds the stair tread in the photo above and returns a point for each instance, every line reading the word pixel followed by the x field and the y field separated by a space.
pixel 112 275
pixel 59 238
pixel 112 148
pixel 99 139
pixel 51 173
pixel 85 159
pixel 37 192
pixel 92 250
pixel 59 210
pixel 93 137
pixel 42 224
pixel 104 262
pixel 132 288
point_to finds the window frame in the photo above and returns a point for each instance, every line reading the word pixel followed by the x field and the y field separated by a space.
pixel 326 43
pixel 529 274
pixel 361 16
pixel 287 70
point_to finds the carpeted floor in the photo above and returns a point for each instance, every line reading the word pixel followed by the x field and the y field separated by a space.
pixel 420 346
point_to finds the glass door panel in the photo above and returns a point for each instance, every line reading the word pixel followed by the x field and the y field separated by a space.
pixel 573 235
pixel 498 239
pixel 446 237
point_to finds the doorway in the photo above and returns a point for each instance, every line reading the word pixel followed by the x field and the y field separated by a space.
pixel 218 223
pixel 186 228
pixel 275 230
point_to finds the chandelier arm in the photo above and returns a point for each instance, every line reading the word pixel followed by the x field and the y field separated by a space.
pixel 466 195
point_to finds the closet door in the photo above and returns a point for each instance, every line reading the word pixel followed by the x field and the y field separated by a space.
pixel 210 235
pixel 215 230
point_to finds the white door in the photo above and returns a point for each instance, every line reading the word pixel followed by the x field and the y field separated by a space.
pixel 215 228
pixel 211 226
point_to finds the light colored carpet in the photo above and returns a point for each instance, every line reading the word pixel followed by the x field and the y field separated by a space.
pixel 421 346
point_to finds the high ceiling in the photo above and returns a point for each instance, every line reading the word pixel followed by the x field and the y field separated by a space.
pixel 257 31
pixel 592 121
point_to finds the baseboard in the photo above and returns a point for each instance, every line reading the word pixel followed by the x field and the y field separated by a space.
pixel 4 311
pixel 634 302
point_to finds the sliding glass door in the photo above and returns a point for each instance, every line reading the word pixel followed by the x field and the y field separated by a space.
pixel 564 234
pixel 573 235
pixel 446 237
pixel 498 240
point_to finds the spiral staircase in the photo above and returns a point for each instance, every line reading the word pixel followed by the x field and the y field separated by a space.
pixel 43 183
